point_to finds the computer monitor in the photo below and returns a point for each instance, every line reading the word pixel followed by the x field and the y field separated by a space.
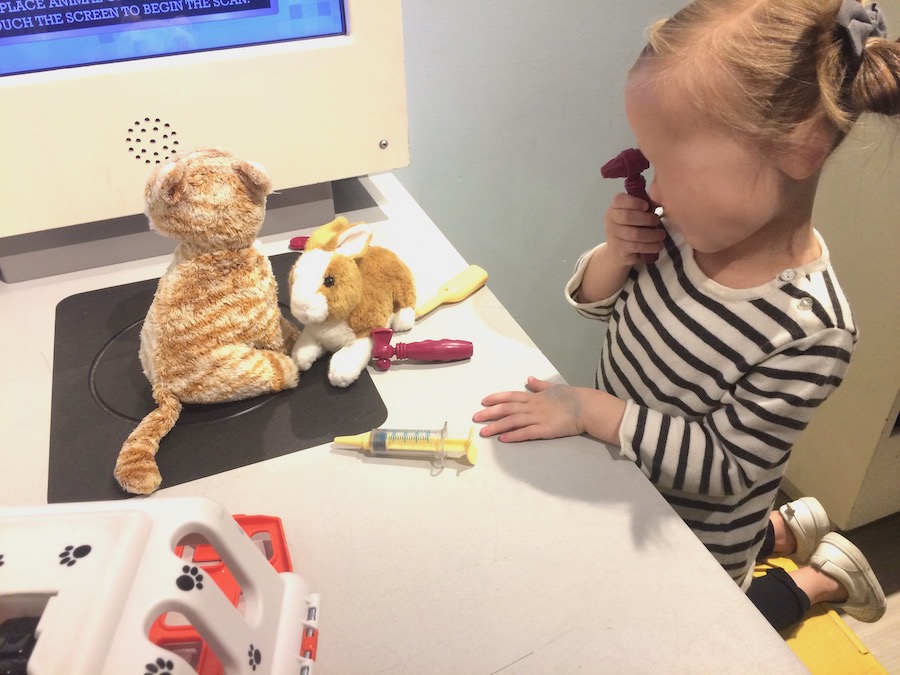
pixel 95 92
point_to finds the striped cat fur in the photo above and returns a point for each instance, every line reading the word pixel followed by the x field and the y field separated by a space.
pixel 214 331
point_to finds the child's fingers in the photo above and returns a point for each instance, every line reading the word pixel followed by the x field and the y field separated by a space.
pixel 632 217
pixel 527 433
pixel 494 410
pixel 629 240
pixel 504 397
pixel 625 201
pixel 642 235
pixel 500 420
pixel 536 385
pixel 513 429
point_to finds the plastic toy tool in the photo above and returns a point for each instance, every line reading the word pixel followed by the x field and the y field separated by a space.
pixel 458 288
pixel 427 350
pixel 298 243
pixel 413 443
pixel 629 164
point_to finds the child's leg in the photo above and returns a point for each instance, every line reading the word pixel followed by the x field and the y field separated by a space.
pixel 768 546
pixel 779 541
pixel 798 526
pixel 858 592
pixel 778 598
pixel 818 586
pixel 839 573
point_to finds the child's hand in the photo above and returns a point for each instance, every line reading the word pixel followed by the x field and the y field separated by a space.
pixel 547 411
pixel 632 229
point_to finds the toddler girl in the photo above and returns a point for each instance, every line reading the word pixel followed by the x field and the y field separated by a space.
pixel 718 352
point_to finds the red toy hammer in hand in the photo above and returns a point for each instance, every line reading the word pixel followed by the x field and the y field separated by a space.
pixel 629 164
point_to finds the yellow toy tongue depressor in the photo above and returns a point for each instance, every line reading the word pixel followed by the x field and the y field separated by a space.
pixel 458 288
pixel 413 443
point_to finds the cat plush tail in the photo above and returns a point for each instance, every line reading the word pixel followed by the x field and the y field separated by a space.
pixel 136 468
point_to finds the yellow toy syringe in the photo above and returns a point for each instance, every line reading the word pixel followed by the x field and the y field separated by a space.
pixel 413 443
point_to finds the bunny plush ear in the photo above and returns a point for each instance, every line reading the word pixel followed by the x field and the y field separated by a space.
pixel 326 236
pixel 354 242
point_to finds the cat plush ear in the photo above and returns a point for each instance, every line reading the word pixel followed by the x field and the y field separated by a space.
pixel 354 242
pixel 169 185
pixel 254 178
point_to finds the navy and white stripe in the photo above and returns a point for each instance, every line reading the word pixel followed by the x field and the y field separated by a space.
pixel 719 383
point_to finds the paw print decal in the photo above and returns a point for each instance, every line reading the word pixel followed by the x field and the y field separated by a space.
pixel 255 657
pixel 190 579
pixel 72 555
pixel 159 667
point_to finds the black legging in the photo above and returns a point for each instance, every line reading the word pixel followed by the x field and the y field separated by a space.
pixel 775 594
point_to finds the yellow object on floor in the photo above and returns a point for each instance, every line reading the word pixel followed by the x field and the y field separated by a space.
pixel 823 642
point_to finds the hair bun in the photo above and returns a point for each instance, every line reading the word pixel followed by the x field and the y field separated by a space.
pixel 876 87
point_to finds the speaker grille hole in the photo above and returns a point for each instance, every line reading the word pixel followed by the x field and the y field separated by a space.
pixel 152 141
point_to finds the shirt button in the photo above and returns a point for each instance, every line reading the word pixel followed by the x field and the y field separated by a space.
pixel 805 303
pixel 787 275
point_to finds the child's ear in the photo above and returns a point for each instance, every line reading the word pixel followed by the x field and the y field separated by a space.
pixel 809 145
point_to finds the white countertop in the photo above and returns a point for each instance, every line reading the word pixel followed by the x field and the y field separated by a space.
pixel 546 557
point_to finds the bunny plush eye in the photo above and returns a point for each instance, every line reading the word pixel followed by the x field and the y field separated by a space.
pixel 328 281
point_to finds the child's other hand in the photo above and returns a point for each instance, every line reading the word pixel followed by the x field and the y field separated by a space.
pixel 546 411
pixel 632 229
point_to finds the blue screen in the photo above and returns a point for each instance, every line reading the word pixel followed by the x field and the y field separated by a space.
pixel 40 35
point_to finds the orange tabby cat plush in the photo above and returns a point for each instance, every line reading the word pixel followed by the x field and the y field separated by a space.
pixel 214 331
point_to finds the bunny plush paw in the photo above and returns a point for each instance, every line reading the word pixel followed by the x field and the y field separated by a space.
pixel 305 353
pixel 403 320
pixel 347 363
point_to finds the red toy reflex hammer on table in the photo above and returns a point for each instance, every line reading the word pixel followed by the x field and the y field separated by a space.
pixel 629 164
pixel 427 350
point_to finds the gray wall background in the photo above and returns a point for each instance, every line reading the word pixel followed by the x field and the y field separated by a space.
pixel 513 107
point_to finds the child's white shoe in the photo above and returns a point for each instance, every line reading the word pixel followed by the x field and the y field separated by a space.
pixel 841 560
pixel 807 519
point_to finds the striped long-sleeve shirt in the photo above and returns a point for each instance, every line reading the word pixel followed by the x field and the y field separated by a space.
pixel 718 384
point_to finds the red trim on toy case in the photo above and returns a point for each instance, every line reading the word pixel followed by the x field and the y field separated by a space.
pixel 184 638
pixel 309 644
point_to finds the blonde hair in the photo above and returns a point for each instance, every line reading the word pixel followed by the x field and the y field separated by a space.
pixel 761 67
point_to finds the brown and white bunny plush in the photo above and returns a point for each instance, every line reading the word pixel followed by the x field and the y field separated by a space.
pixel 214 331
pixel 341 289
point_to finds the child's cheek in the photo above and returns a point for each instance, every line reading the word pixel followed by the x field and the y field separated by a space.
pixel 654 192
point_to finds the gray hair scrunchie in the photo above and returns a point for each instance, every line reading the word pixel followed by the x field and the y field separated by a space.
pixel 859 23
